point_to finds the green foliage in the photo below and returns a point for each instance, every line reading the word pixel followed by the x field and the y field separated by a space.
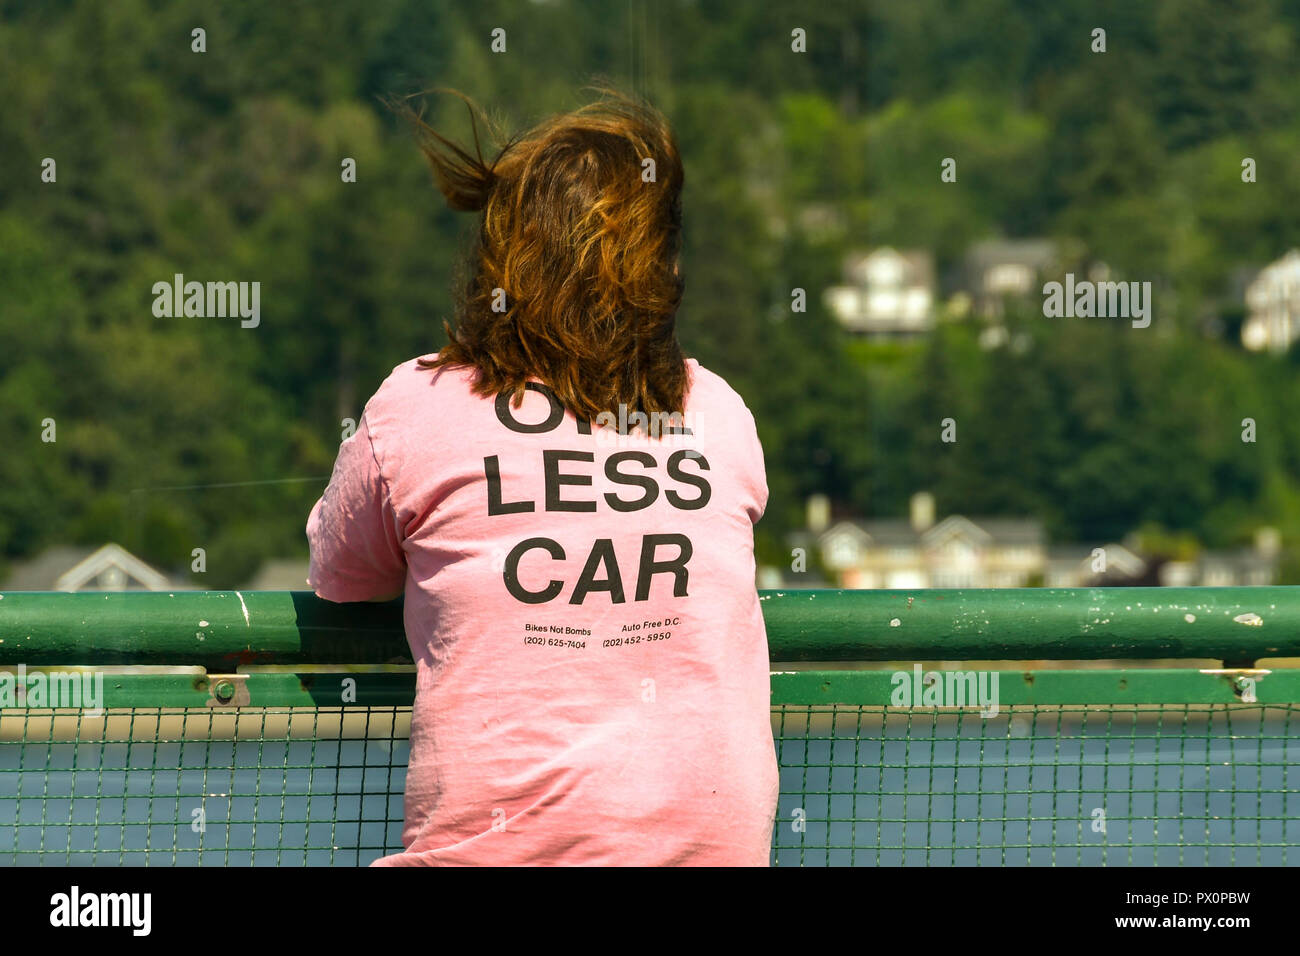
pixel 225 165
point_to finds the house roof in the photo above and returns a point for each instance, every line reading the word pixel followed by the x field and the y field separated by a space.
pixel 40 573
pixel 898 532
pixel 1038 253
pixel 72 568
pixel 889 532
pixel 1118 557
pixel 1008 531
pixel 917 265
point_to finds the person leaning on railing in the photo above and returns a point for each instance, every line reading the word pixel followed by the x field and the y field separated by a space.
pixel 593 681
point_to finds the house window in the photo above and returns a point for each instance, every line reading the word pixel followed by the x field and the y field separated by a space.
pixel 843 553
pixel 1009 277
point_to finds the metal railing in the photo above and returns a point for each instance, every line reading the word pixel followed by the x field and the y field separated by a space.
pixel 271 727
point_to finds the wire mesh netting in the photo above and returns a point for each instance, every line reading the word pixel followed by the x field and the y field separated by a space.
pixel 254 786
pixel 1166 785
pixel 861 785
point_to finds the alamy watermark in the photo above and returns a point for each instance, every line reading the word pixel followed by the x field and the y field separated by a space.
pixel 621 428
pixel 58 690
pixel 76 908
pixel 1104 300
pixel 946 689
pixel 210 300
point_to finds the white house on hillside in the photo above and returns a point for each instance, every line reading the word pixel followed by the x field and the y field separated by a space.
pixel 920 552
pixel 887 294
pixel 1083 565
pixel 1273 306
pixel 964 551
pixel 1001 269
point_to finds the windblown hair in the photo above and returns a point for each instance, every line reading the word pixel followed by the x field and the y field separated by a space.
pixel 582 236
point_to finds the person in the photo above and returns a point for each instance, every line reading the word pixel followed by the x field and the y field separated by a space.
pixel 567 504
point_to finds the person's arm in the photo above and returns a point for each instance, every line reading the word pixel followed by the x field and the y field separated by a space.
pixel 755 472
pixel 356 550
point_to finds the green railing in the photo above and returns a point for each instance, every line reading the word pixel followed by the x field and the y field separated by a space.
pixel 272 727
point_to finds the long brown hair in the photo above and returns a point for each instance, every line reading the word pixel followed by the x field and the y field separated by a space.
pixel 578 241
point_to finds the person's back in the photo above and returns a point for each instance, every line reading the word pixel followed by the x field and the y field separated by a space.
pixel 592 664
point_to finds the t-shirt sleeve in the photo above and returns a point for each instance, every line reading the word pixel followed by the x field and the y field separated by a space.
pixel 356 554
pixel 755 470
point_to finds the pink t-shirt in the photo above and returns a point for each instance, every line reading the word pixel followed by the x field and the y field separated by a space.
pixel 593 683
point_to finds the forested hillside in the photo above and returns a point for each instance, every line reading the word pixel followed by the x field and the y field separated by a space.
pixel 225 165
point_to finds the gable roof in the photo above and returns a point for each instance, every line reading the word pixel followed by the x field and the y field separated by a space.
pixel 916 265
pixel 899 533
pixel 111 557
pixel 845 529
pixel 891 533
pixel 1118 558
pixel 73 567
pixel 955 526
